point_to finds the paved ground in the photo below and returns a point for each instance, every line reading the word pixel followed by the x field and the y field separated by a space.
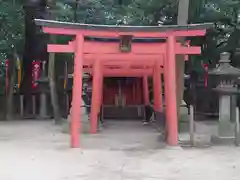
pixel 32 150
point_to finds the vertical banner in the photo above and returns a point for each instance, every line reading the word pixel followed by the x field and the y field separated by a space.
pixel 205 66
pixel 7 77
pixel 36 70
pixel 65 80
pixel 19 72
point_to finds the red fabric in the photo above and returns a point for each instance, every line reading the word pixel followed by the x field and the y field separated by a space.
pixel 36 69
pixel 128 91
pixel 205 66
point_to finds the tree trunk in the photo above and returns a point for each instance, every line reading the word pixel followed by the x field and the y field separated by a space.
pixel 9 91
pixel 51 75
pixel 53 91
pixel 182 19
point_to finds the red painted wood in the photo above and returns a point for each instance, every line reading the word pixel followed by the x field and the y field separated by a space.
pixel 77 95
pixel 96 96
pixel 133 62
pixel 126 75
pixel 171 97
pixel 124 72
pixel 113 48
pixel 94 33
pixel 101 93
pixel 109 95
pixel 145 90
pixel 157 89
pixel 110 92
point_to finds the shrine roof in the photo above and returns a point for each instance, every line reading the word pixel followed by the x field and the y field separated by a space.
pixel 121 28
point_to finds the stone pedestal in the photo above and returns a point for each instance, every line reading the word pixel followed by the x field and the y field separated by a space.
pixel 160 119
pixel 43 106
pixel 225 126
pixel 225 116
pixel 233 108
pixel 43 89
pixel 85 122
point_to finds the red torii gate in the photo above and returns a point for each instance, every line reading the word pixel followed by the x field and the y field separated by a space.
pixel 106 59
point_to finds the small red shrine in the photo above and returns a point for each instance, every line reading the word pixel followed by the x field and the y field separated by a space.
pixel 125 58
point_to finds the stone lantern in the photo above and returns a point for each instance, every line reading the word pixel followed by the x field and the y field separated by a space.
pixel 227 90
pixel 86 94
pixel 85 107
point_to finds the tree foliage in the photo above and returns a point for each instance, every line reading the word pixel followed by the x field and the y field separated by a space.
pixel 224 13
pixel 11 25
pixel 225 35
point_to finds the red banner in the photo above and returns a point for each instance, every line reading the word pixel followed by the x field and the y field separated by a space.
pixel 36 70
pixel 205 66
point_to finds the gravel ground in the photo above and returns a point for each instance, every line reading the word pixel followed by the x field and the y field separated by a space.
pixel 38 150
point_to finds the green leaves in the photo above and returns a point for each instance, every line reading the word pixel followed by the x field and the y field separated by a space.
pixel 152 12
pixel 134 12
pixel 11 25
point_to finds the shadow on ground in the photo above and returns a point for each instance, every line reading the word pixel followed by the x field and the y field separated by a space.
pixel 115 135
pixel 124 150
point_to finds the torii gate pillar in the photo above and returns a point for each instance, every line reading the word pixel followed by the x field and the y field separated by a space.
pixel 157 88
pixel 96 96
pixel 77 91
pixel 170 91
pixel 145 90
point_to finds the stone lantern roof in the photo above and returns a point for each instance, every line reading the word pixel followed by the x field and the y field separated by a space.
pixel 227 75
pixel 225 68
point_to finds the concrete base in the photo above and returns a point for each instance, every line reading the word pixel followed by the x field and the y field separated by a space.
pixel 220 140
pixel 200 140
pixel 44 117
pixel 85 125
pixel 43 106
